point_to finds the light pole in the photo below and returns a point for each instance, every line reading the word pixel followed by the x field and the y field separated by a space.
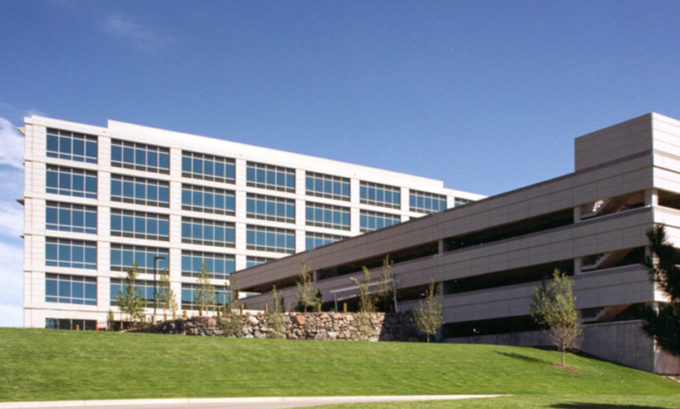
pixel 155 285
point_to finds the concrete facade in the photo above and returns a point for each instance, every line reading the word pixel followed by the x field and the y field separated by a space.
pixel 488 256
pixel 56 289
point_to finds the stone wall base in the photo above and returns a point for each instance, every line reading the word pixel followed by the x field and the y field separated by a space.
pixel 313 325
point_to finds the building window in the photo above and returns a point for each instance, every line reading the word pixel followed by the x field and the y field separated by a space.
pixel 207 200
pixel 190 296
pixel 149 192
pixel 124 256
pixel 218 265
pixel 71 217
pixel 375 220
pixel 70 324
pixel 143 287
pixel 324 215
pixel 270 177
pixel 314 240
pixel 70 253
pixel 139 225
pixel 270 239
pixel 270 208
pixel 207 232
pixel 68 289
pixel 71 182
pixel 423 202
pixel 71 145
pixel 256 261
pixel 140 156
pixel 380 195
pixel 462 202
pixel 207 167
pixel 332 187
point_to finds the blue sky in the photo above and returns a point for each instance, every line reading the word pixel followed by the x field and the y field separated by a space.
pixel 485 95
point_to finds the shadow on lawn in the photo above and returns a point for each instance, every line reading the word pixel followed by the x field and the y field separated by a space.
pixel 522 357
pixel 583 405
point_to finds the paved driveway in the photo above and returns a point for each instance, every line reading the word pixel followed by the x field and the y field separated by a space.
pixel 230 403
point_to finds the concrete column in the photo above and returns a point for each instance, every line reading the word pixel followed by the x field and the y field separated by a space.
pixel 651 197
pixel 577 214
pixel 577 265
pixel 440 244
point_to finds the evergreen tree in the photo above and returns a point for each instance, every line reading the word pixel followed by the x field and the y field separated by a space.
pixel 663 323
pixel 553 307
pixel 428 315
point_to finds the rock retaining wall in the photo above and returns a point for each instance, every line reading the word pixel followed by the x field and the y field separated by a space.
pixel 313 325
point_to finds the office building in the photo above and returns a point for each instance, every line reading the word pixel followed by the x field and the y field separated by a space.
pixel 98 199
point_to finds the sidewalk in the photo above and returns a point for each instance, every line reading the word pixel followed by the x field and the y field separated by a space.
pixel 232 403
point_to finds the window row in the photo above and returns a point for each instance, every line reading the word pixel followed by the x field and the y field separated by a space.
pixel 371 221
pixel 314 240
pixel 252 261
pixel 380 195
pixel 270 177
pixel 207 167
pixel 139 225
pixel 270 239
pixel 207 232
pixel 217 265
pixel 70 289
pixel 332 187
pixel 137 190
pixel 208 200
pixel 71 146
pixel 145 289
pixel 270 208
pixel 67 181
pixel 140 156
pixel 71 217
pixel 151 158
pixel 324 215
pixel 191 295
pixel 124 256
pixel 70 253
pixel 424 202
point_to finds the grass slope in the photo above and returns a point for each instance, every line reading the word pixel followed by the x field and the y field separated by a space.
pixel 50 365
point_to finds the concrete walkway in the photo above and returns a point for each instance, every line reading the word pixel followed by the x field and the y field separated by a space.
pixel 232 403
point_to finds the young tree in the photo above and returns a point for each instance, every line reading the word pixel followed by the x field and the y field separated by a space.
pixel 232 320
pixel 277 325
pixel 205 293
pixel 307 294
pixel 428 315
pixel 166 296
pixel 553 307
pixel 385 288
pixel 367 302
pixel 663 323
pixel 130 297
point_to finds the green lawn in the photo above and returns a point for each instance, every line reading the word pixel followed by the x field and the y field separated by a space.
pixel 534 402
pixel 50 365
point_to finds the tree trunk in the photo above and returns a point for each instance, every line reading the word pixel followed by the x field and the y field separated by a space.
pixel 564 352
